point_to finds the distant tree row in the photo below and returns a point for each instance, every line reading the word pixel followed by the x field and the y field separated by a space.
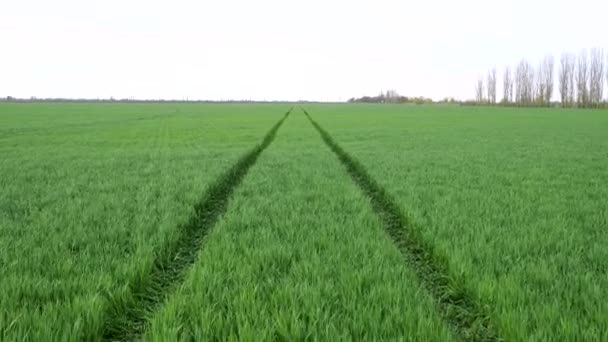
pixel 581 81
pixel 391 96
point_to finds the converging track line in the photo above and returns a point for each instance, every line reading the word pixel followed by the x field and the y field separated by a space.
pixel 126 319
pixel 467 317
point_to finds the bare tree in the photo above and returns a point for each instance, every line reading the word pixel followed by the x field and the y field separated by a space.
pixel 479 91
pixel 543 82
pixel 391 96
pixel 582 77
pixel 539 86
pixel 520 85
pixel 507 86
pixel 564 78
pixel 571 80
pixel 547 75
pixel 530 84
pixel 524 83
pixel 492 86
pixel 596 77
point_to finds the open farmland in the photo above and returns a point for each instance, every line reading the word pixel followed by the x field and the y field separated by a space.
pixel 513 201
pixel 215 221
pixel 93 194
pixel 299 254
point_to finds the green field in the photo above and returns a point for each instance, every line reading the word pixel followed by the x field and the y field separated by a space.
pixel 183 221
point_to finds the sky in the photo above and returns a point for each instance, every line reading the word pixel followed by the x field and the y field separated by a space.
pixel 279 49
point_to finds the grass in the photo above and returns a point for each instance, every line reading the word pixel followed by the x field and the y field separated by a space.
pixel 500 214
pixel 92 194
pixel 513 199
pixel 127 316
pixel 299 255
pixel 467 318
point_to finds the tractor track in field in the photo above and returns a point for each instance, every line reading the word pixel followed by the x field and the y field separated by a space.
pixel 468 318
pixel 126 318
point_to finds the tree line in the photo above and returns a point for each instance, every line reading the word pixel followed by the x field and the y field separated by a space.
pixel 581 79
pixel 390 96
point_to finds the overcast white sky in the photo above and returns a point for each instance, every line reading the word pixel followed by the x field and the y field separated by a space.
pixel 280 49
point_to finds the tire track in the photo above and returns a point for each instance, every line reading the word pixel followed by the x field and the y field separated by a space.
pixel 468 318
pixel 126 318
